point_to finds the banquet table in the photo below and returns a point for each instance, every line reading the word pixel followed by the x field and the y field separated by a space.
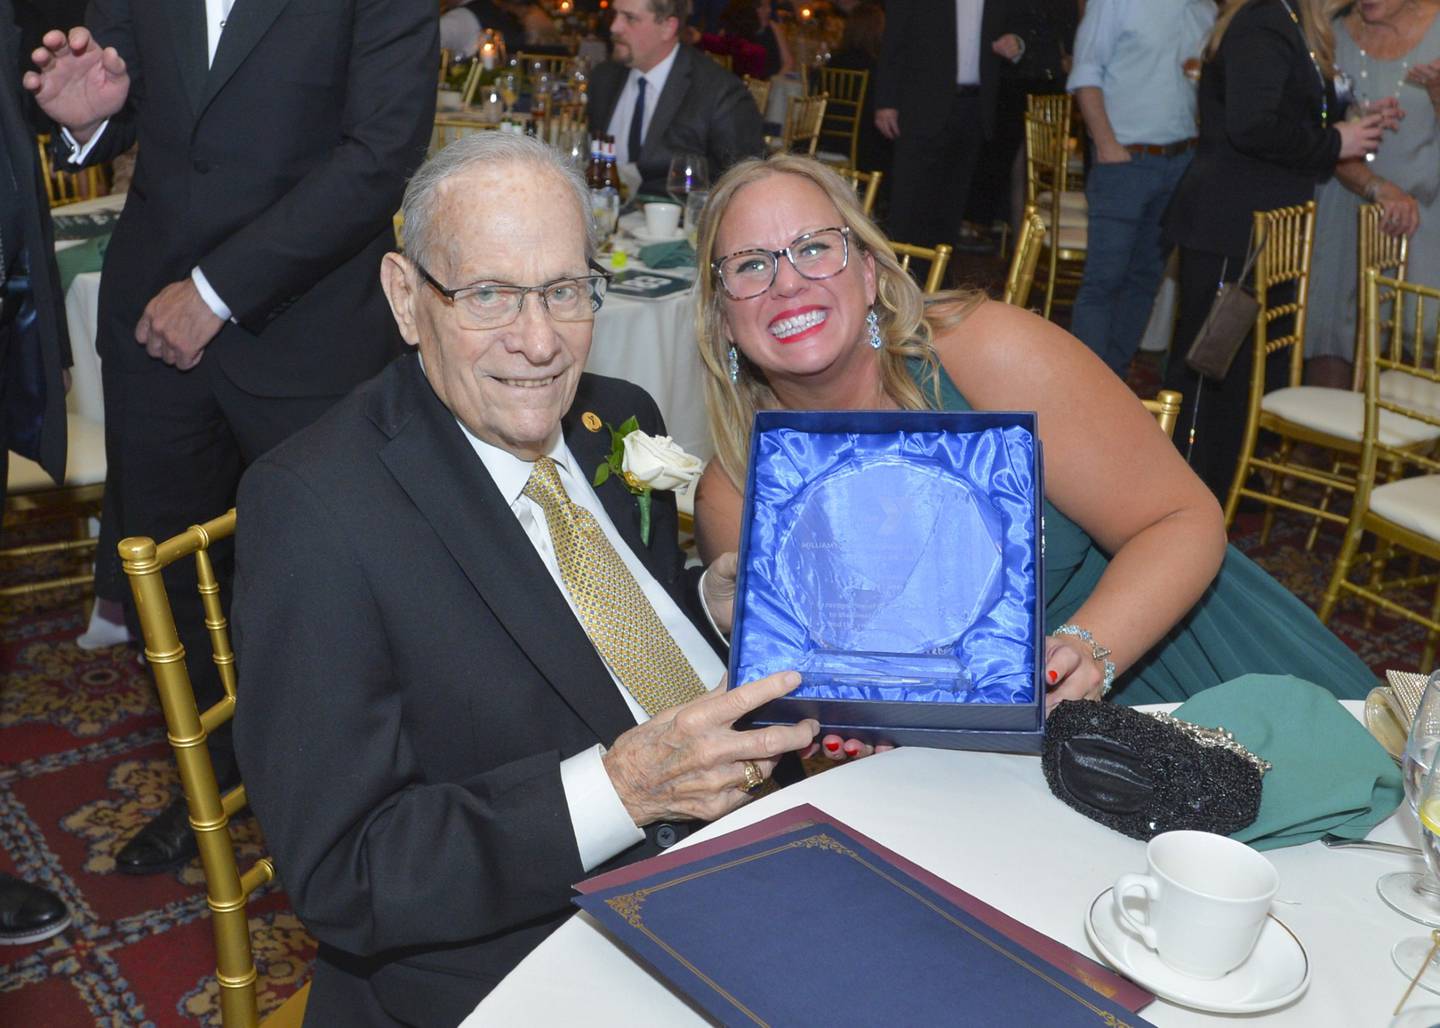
pixel 648 342
pixel 987 823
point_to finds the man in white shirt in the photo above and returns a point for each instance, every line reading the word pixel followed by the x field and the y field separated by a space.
pixel 446 722
pixel 239 298
pixel 659 98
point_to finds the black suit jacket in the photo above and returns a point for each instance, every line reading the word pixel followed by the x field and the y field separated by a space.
pixel 916 74
pixel 277 170
pixel 411 679
pixel 702 109
pixel 42 434
pixel 1262 145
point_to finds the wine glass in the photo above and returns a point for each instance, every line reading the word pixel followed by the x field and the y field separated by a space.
pixel 1415 956
pixel 689 172
pixel 1416 894
pixel 694 204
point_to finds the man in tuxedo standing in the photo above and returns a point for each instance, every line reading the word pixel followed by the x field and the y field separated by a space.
pixel 466 679
pixel 659 98
pixel 239 297
pixel 936 86
pixel 34 351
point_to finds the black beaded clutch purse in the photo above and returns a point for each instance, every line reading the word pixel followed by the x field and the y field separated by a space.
pixel 1143 774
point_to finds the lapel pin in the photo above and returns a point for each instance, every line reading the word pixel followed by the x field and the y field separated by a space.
pixel 591 421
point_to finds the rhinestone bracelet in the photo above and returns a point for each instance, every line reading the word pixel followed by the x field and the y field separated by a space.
pixel 1097 651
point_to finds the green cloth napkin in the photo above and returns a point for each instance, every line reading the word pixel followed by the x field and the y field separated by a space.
pixel 677 254
pixel 80 258
pixel 1329 774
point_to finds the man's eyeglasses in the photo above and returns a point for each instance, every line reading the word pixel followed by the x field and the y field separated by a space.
pixel 496 304
pixel 823 253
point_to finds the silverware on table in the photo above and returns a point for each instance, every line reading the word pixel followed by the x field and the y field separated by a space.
pixel 1338 842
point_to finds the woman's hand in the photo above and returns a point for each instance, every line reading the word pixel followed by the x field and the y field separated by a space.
pixel 1070 672
pixel 1401 213
pixel 838 749
pixel 1358 138
pixel 1427 77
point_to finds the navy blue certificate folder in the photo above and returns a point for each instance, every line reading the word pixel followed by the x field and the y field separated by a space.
pixel 894 559
pixel 884 948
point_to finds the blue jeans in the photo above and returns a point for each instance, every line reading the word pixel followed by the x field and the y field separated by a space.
pixel 1123 258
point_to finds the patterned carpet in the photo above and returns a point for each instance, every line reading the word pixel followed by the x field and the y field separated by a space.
pixel 85 762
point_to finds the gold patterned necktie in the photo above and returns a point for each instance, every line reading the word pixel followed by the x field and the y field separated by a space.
pixel 614 610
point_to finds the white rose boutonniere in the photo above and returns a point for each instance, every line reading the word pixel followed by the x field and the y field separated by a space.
pixel 645 463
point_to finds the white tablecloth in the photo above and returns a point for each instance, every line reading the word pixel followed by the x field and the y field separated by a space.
pixel 987 823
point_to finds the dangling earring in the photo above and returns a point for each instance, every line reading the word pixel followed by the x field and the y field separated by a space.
pixel 734 365
pixel 872 320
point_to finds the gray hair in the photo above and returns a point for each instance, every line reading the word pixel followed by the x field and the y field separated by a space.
pixel 483 149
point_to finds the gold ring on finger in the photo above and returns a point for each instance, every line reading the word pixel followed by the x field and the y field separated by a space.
pixel 754 777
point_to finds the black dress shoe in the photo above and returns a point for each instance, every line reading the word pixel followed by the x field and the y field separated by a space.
pixel 163 845
pixel 29 913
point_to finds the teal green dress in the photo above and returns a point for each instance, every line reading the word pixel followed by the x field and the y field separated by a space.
pixel 1246 622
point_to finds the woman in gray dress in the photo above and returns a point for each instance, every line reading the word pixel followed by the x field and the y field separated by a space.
pixel 1386 48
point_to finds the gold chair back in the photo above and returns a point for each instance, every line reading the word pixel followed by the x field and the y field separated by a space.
pixel 1389 256
pixel 841 129
pixel 1046 179
pixel 803 117
pixel 550 64
pixel 226 887
pixel 62 187
pixel 452 125
pixel 446 58
pixel 1021 276
pixel 760 90
pixel 1401 508
pixel 1166 408
pixel 938 256
pixel 867 187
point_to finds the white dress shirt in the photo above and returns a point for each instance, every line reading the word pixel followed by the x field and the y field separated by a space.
pixel 968 16
pixel 602 826
pixel 619 127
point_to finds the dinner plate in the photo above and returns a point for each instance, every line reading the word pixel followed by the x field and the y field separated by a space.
pixel 1276 973
pixel 1382 722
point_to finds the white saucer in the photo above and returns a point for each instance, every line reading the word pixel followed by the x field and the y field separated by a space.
pixel 641 234
pixel 1276 973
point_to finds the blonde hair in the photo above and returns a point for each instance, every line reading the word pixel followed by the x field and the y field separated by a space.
pixel 908 320
pixel 1315 25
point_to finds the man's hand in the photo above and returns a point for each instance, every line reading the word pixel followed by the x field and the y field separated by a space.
pixel 1111 153
pixel 1008 46
pixel 887 120
pixel 177 325
pixel 77 83
pixel 719 591
pixel 689 763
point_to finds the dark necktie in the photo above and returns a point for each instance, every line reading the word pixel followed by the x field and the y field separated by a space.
pixel 637 122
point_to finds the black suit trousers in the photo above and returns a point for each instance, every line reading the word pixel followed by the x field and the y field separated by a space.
pixel 934 165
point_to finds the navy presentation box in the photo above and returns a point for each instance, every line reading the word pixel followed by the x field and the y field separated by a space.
pixel 893 558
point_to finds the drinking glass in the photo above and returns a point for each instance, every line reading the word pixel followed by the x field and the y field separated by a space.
pixel 1413 953
pixel 694 204
pixel 689 172
pixel 1417 894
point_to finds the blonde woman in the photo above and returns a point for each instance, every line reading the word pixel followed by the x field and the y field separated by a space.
pixel 803 306
pixel 1271 130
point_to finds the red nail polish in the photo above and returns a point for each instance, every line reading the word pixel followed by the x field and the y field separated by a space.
pixel 1054 676
pixel 852 748
pixel 832 744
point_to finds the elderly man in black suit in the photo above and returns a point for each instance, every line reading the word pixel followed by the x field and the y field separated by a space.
pixel 239 297
pixel 659 98
pixel 466 679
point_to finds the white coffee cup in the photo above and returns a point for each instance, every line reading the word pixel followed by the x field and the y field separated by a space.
pixel 662 220
pixel 1207 899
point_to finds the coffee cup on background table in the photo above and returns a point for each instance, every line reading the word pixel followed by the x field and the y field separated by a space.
pixel 1206 900
pixel 662 220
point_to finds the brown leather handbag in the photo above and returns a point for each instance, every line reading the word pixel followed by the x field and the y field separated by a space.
pixel 1228 323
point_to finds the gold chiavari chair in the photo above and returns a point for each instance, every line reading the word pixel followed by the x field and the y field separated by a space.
pixel 550 64
pixel 724 60
pixel 1046 161
pixel 1021 276
pixel 62 187
pixel 1166 408
pixel 841 128
pixel 1332 419
pixel 450 126
pixel 1403 512
pixel 471 86
pixel 760 90
pixel 803 118
pixel 867 187
pixel 226 887
pixel 938 256
pixel 32 497
pixel 446 58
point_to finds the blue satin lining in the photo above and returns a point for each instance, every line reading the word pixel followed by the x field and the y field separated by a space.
pixel 893 566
